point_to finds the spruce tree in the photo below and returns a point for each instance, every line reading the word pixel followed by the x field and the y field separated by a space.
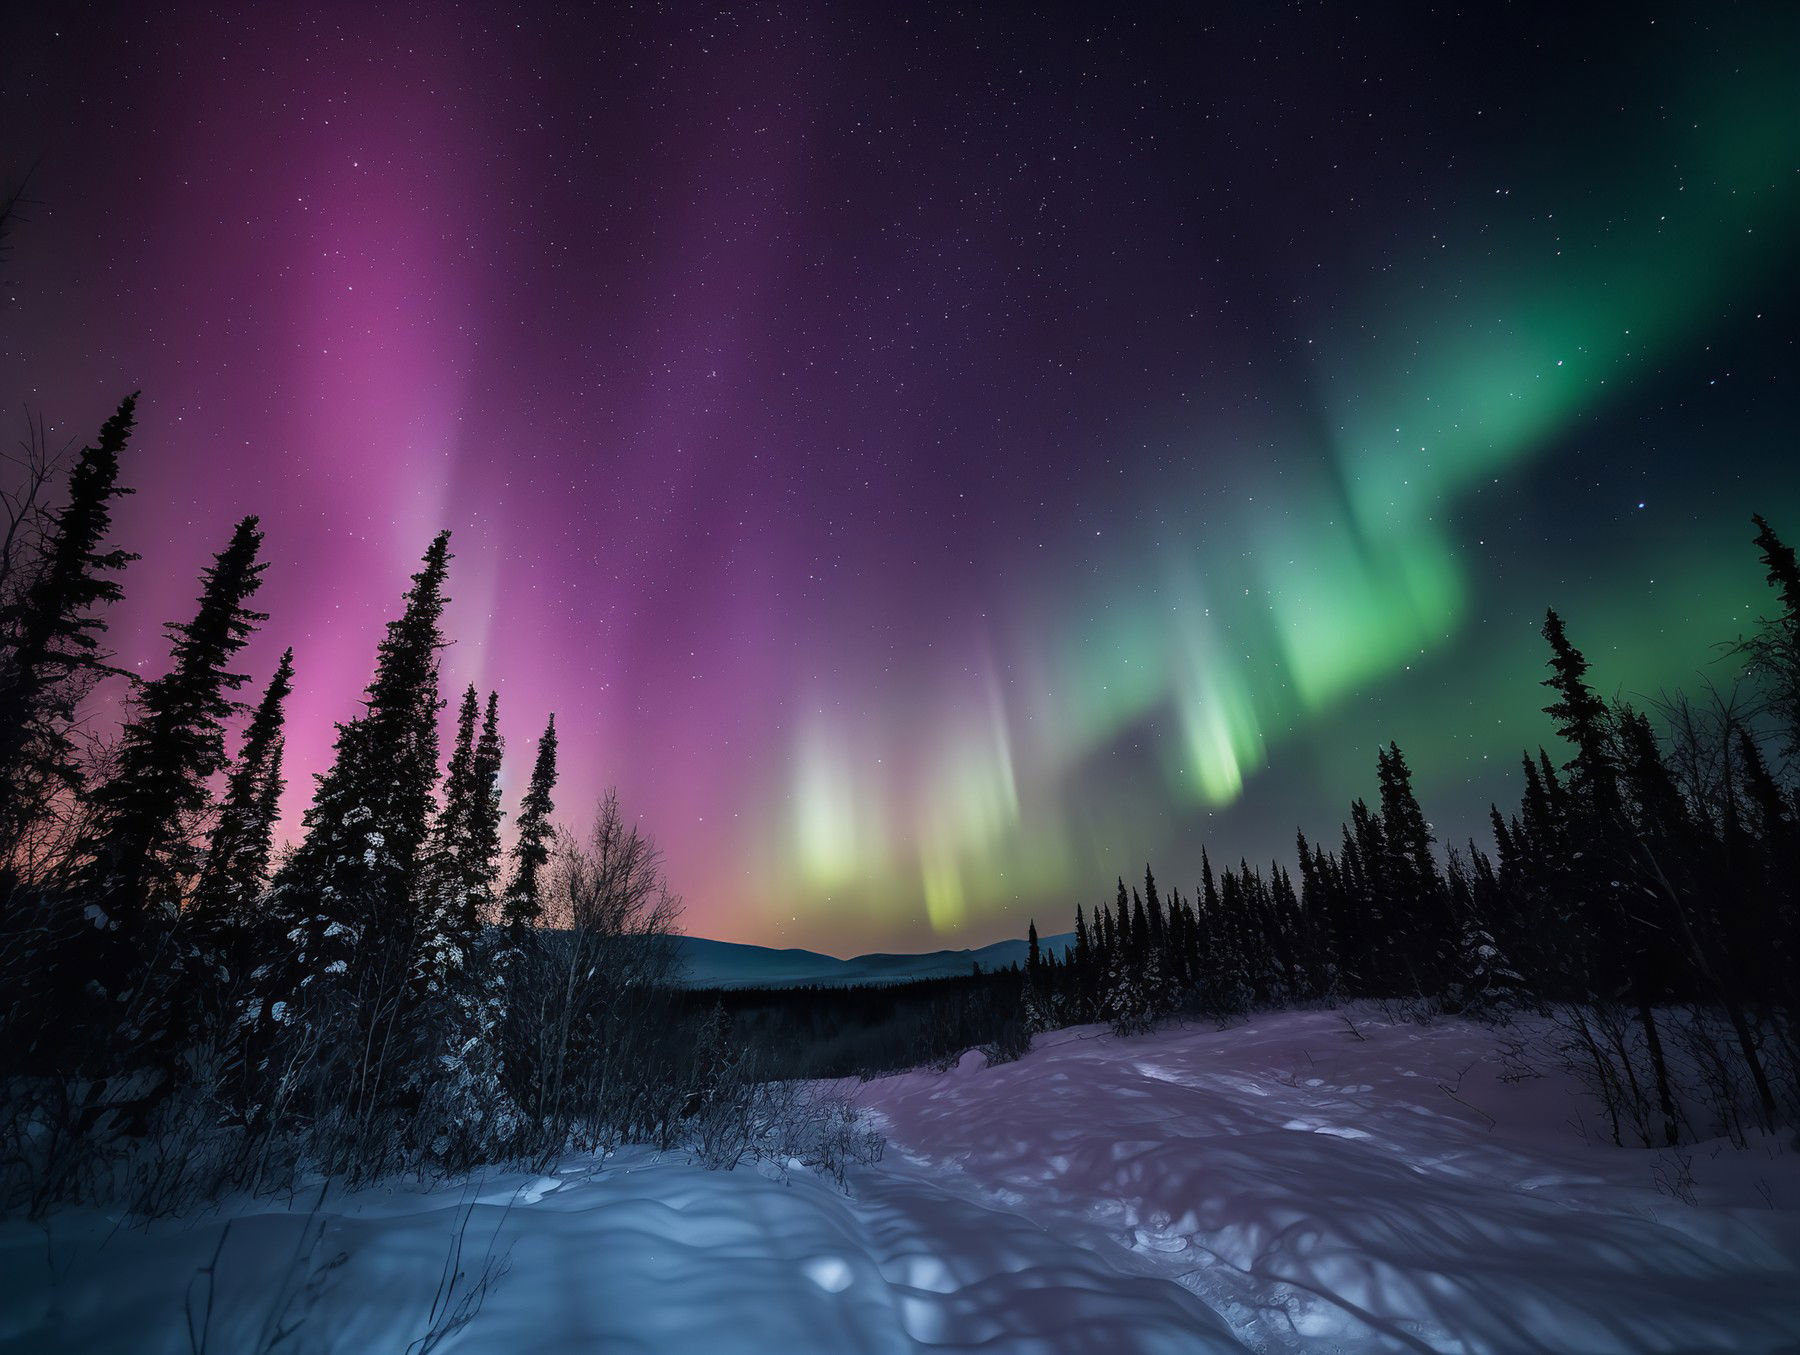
pixel 467 1001
pixel 1771 815
pixel 523 905
pixel 1583 719
pixel 1286 931
pixel 443 874
pixel 1200 934
pixel 1235 988
pixel 1083 967
pixel 485 813
pixel 1153 910
pixel 1606 863
pixel 1375 945
pixel 1783 566
pixel 465 847
pixel 1774 653
pixel 1315 910
pixel 347 891
pixel 453 819
pixel 145 851
pixel 1656 807
pixel 1126 1000
pixel 1415 890
pixel 1259 912
pixel 1503 837
pixel 1481 979
pixel 50 629
pixel 237 859
pixel 1409 835
pixel 1175 949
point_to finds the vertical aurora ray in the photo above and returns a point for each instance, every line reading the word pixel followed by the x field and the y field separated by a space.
pixel 1223 699
pixel 971 806
pixel 833 832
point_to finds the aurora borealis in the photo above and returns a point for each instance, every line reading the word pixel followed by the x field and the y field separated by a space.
pixel 931 460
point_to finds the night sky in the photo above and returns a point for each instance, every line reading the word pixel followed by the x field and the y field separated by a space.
pixel 933 461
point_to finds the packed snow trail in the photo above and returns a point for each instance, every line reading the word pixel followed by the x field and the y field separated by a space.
pixel 1284 1185
pixel 636 1257
pixel 1346 1186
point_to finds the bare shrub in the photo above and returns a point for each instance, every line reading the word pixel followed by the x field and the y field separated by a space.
pixel 287 1309
pixel 1598 1043
pixel 822 1130
pixel 586 1050
pixel 293 1305
pixel 1673 1175
pixel 459 1296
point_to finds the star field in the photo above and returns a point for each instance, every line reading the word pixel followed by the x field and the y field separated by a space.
pixel 933 459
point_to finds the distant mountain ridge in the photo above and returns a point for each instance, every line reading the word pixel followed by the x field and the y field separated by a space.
pixel 729 964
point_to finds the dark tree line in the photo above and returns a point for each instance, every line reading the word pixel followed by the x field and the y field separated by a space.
pixel 863 1030
pixel 1646 890
pixel 185 1009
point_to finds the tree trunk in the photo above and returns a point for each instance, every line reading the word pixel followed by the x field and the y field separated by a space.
pixel 1660 1068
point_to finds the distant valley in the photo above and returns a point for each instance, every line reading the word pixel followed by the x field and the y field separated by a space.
pixel 727 964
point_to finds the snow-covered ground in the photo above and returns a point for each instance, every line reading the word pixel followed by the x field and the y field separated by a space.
pixel 1282 1185
pixel 1323 1192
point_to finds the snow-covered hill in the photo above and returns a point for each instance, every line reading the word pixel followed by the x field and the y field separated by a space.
pixel 729 964
pixel 1290 1184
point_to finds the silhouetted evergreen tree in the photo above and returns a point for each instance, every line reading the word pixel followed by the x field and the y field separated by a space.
pixel 1377 951
pixel 50 628
pixel 144 846
pixel 237 860
pixel 1585 721
pixel 1417 915
pixel 1481 978
pixel 1775 653
pixel 531 849
pixel 464 855
pixel 347 893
